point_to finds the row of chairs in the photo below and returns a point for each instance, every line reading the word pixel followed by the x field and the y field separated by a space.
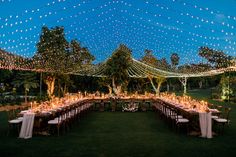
pixel 171 115
pixel 176 118
pixel 67 116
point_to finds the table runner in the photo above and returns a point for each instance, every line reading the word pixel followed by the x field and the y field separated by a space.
pixel 205 124
pixel 27 125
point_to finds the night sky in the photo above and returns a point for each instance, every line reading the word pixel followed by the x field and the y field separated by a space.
pixel 164 26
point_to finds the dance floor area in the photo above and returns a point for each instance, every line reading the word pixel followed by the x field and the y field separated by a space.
pixel 118 134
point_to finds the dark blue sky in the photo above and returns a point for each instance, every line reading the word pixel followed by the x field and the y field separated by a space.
pixel 164 26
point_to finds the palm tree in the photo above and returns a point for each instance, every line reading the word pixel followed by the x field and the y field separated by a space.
pixel 174 60
pixel 27 80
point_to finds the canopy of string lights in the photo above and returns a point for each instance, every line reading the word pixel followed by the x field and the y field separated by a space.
pixel 163 26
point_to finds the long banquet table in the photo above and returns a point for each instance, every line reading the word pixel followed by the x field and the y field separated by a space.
pixel 29 118
pixel 204 118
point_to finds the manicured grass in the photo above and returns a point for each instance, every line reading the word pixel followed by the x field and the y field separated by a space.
pixel 119 134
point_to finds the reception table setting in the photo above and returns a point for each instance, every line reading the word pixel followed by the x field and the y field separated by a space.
pixel 194 107
pixel 73 104
pixel 57 110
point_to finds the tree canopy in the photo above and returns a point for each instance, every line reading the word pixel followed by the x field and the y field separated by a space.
pixel 52 49
pixel 217 58
pixel 57 55
pixel 118 64
pixel 174 60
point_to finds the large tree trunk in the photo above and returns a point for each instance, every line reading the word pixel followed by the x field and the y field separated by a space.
pixel 200 84
pixel 117 89
pixel 168 87
pixel 50 82
pixel 114 87
pixel 153 86
pixel 113 84
pixel 158 87
pixel 159 83
pixel 184 83
pixel 64 90
pixel 110 89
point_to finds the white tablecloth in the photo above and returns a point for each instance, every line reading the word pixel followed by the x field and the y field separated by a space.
pixel 205 124
pixel 27 125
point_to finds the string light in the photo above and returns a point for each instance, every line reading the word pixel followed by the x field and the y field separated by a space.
pixel 139 26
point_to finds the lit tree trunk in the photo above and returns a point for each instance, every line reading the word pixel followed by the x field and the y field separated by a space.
pixel 153 86
pixel 185 88
pixel 168 87
pixel 50 82
pixel 160 80
pixel 184 83
pixel 200 84
pixel 113 85
pixel 116 89
pixel 110 89
pixel 64 90
pixel 159 87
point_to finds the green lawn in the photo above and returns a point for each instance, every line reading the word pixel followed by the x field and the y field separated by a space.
pixel 123 135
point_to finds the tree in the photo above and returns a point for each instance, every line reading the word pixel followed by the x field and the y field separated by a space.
pixel 159 81
pixel 163 64
pixel 117 67
pixel 9 60
pixel 105 81
pixel 62 83
pixel 5 75
pixel 79 56
pixel 227 86
pixel 26 79
pixel 217 58
pixel 56 56
pixel 184 80
pixel 174 60
pixel 52 50
pixel 151 60
pixel 195 68
pixel 51 55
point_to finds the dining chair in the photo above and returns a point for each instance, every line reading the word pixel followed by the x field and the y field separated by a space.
pixel 58 121
pixel 181 121
pixel 222 120
pixel 14 121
